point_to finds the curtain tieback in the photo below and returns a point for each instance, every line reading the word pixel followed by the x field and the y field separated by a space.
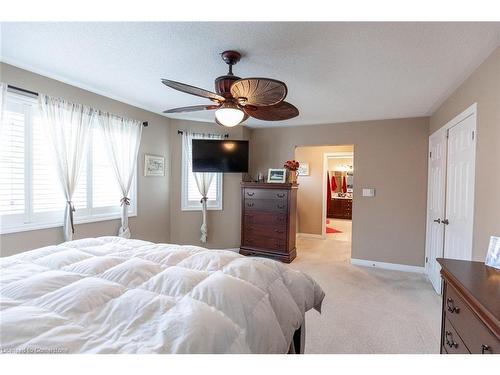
pixel 71 210
pixel 125 201
pixel 203 199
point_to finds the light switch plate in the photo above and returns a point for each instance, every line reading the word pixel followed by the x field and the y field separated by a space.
pixel 368 192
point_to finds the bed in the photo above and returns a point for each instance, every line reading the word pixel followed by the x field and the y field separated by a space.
pixel 116 295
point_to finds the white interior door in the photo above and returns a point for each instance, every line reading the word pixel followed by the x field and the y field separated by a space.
pixel 460 171
pixel 435 207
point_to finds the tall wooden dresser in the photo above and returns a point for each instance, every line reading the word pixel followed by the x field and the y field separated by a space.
pixel 471 308
pixel 268 220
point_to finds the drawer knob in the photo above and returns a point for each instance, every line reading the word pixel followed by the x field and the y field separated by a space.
pixel 451 306
pixel 281 206
pixel 450 342
pixel 250 204
pixel 250 193
pixel 485 348
pixel 281 195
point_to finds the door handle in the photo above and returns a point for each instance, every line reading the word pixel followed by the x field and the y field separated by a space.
pixel 437 221
pixel 445 221
pixel 450 343
pixel 451 306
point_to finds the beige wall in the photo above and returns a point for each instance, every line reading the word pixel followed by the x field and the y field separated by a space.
pixel 223 225
pixel 152 221
pixel 391 226
pixel 483 88
pixel 310 192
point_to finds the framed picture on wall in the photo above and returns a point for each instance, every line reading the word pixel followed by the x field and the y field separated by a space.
pixel 277 176
pixel 154 165
pixel 303 169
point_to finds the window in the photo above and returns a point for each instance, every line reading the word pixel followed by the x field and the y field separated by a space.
pixel 30 193
pixel 191 197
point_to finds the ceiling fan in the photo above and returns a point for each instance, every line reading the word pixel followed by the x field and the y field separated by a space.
pixel 236 99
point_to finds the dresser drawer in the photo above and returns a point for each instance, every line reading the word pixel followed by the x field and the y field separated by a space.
pixel 476 336
pixel 273 205
pixel 276 220
pixel 266 194
pixel 265 243
pixel 253 230
pixel 452 342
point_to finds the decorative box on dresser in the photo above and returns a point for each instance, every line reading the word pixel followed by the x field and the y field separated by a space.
pixel 268 220
pixel 471 308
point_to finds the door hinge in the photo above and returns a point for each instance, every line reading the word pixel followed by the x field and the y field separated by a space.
pixel 430 155
pixel 473 135
pixel 447 133
pixel 426 260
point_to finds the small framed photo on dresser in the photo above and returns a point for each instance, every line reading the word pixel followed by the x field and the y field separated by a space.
pixel 276 176
pixel 493 255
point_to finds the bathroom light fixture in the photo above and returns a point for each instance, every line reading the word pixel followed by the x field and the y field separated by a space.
pixel 229 114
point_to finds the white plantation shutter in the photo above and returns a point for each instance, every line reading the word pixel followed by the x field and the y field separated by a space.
pixel 30 192
pixel 12 161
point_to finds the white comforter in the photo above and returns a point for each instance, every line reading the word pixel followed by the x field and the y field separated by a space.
pixel 113 295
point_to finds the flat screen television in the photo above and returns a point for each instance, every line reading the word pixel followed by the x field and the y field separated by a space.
pixel 215 155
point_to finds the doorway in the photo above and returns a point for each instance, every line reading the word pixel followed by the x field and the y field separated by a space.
pixel 450 196
pixel 324 198
pixel 338 183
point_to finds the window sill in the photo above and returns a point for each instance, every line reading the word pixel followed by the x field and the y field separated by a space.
pixel 199 209
pixel 32 227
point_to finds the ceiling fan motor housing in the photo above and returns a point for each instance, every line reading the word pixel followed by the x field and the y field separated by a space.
pixel 223 85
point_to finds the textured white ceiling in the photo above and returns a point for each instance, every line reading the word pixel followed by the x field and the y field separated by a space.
pixel 335 72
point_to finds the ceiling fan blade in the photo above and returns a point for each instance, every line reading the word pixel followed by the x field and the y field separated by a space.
pixel 192 108
pixel 188 89
pixel 277 112
pixel 258 91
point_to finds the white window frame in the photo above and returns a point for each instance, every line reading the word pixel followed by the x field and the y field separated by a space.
pixel 33 221
pixel 187 205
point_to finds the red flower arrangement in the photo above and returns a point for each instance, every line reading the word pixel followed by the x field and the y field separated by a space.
pixel 292 165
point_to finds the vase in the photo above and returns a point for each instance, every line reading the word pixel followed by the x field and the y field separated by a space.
pixel 292 177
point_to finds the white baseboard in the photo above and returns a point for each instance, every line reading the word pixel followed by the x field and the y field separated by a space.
pixel 388 266
pixel 233 249
pixel 310 235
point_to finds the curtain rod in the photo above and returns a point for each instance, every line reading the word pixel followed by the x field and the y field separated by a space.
pixel 145 123
pixel 182 132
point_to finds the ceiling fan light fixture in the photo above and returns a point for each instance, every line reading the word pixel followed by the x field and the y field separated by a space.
pixel 229 115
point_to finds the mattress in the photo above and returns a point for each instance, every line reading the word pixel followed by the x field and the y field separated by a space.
pixel 116 295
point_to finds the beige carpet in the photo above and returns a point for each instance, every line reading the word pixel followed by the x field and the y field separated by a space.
pixel 366 310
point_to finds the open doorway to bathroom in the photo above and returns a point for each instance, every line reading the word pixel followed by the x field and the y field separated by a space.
pixel 338 172
pixel 325 198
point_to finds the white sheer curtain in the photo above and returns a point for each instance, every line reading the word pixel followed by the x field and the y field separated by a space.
pixel 203 180
pixel 68 127
pixel 122 137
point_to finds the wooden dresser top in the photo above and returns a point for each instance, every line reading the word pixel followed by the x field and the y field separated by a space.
pixel 267 185
pixel 479 283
